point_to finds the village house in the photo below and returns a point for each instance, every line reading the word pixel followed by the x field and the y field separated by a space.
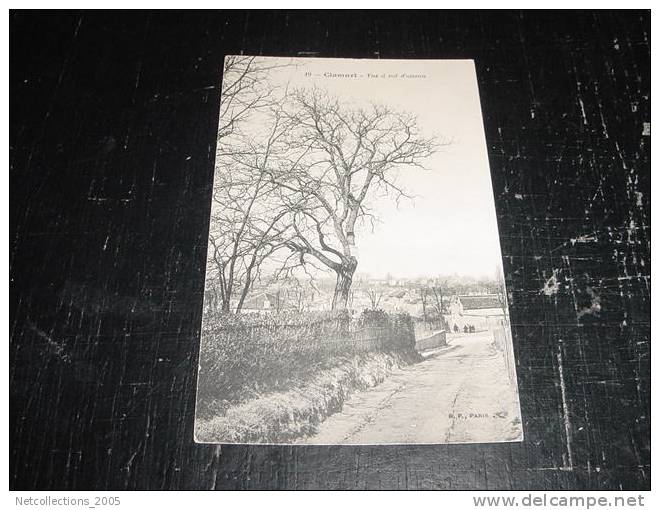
pixel 266 302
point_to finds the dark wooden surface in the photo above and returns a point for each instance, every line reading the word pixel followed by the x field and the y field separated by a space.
pixel 112 129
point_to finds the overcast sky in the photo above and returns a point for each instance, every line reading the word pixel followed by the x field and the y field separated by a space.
pixel 451 226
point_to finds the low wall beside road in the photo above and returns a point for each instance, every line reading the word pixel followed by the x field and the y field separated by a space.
pixel 437 339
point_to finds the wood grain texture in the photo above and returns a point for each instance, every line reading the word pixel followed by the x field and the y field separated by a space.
pixel 112 137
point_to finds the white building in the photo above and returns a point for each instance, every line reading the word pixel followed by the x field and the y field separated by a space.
pixel 483 311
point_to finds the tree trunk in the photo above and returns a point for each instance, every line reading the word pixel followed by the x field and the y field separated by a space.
pixel 423 295
pixel 225 305
pixel 344 282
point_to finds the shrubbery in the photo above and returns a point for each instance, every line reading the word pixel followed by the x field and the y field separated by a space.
pixel 374 317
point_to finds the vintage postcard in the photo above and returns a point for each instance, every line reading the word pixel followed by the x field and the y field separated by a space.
pixel 354 286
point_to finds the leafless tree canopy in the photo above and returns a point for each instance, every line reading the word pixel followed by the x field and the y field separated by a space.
pixel 246 230
pixel 336 159
pixel 297 183
pixel 245 89
pixel 245 226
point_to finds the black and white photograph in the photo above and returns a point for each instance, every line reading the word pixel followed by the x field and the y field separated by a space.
pixel 354 286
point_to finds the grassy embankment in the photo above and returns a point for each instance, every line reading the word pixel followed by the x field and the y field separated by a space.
pixel 274 378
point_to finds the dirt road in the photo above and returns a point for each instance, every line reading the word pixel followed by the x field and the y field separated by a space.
pixel 458 394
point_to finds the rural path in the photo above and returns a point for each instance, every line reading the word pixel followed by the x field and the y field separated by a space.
pixel 458 394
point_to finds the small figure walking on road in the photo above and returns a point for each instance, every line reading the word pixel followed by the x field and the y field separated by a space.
pixel 456 328
pixel 466 329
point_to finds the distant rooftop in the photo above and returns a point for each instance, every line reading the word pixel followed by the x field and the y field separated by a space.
pixel 478 302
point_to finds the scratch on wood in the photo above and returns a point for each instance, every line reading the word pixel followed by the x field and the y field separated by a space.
pixel 564 405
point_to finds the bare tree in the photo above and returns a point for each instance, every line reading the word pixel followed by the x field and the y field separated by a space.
pixel 298 300
pixel 338 158
pixel 374 297
pixel 245 227
pixel 245 89
pixel 297 296
pixel 423 293
pixel 438 294
pixel 245 230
